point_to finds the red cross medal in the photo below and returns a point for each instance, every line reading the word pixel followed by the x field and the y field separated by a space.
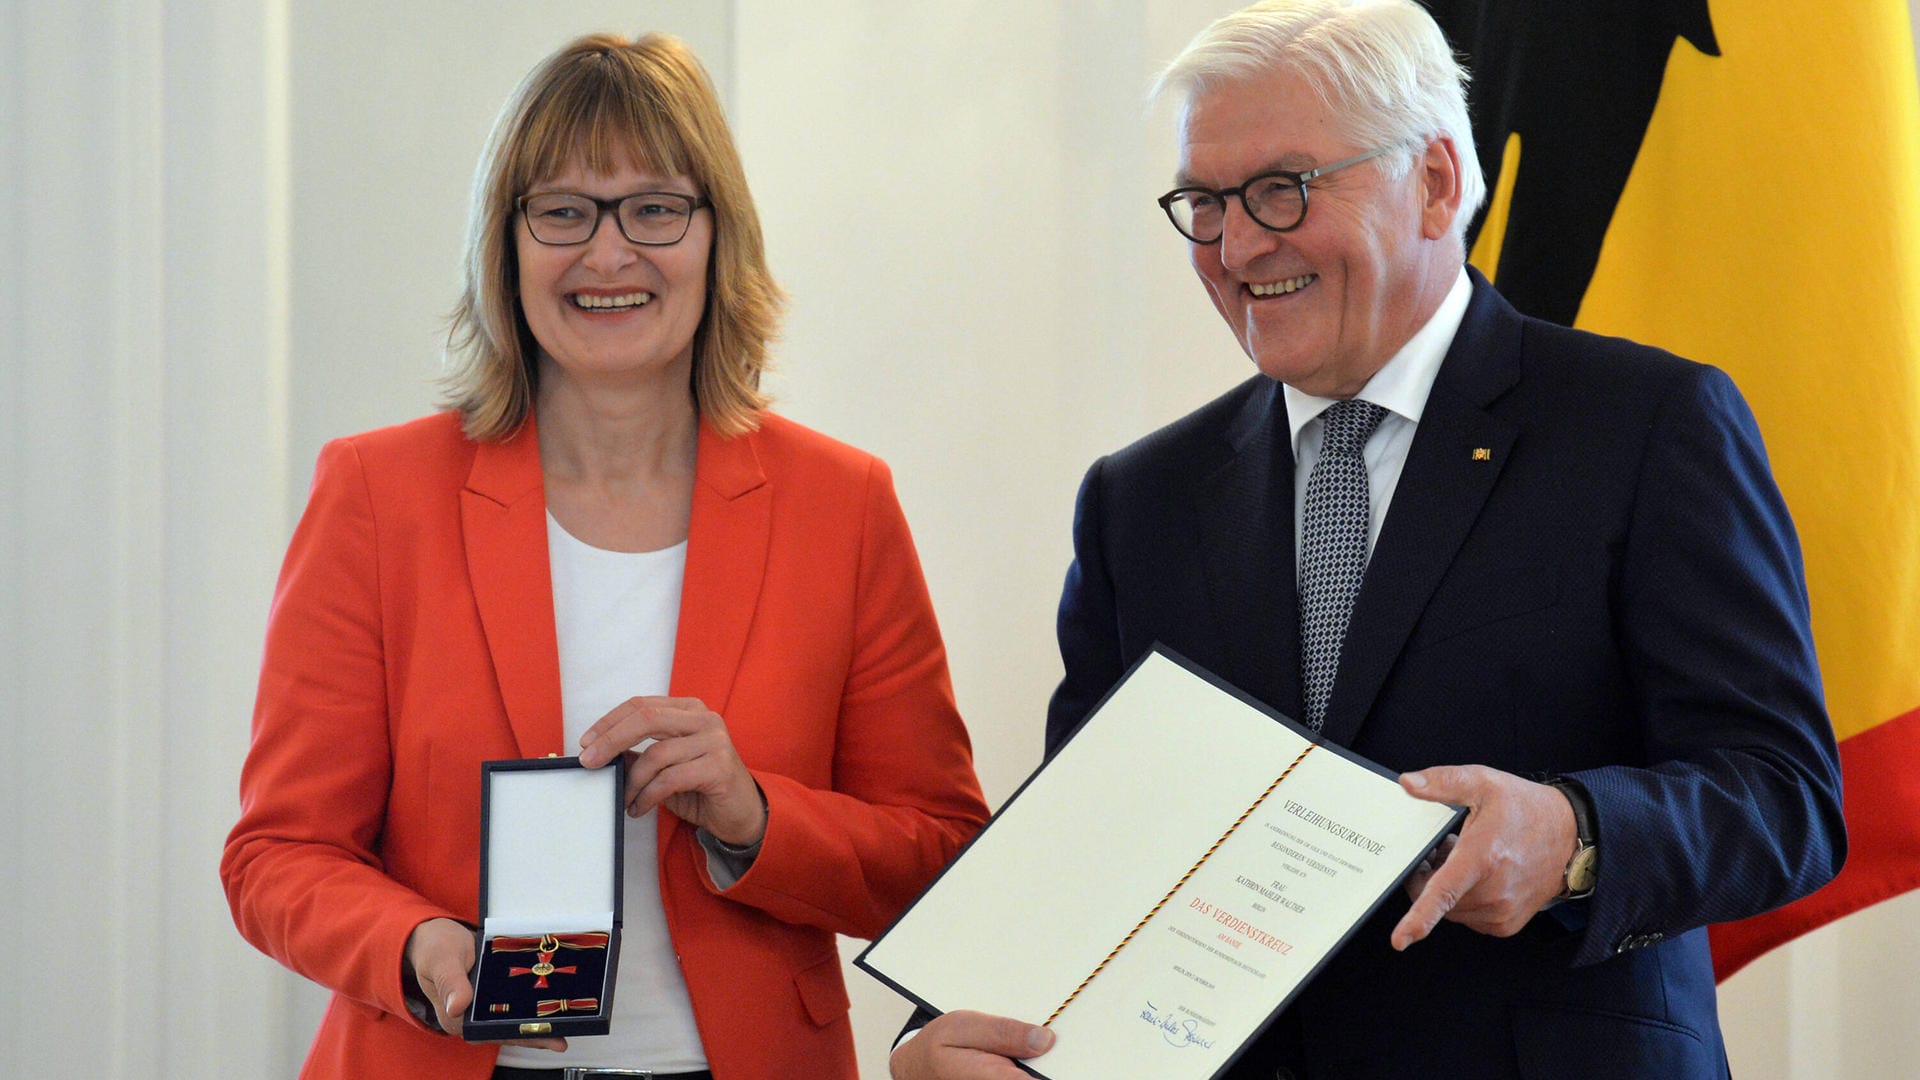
pixel 544 948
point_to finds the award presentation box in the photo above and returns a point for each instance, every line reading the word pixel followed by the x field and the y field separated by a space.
pixel 551 834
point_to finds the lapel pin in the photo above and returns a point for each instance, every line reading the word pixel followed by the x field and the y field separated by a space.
pixel 1482 453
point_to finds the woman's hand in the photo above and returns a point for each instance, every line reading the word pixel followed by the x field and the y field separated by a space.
pixel 440 956
pixel 687 764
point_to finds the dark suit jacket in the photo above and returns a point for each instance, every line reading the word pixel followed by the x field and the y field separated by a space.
pixel 1615 595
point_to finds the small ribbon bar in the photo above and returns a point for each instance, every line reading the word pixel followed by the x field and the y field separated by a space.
pixel 549 1008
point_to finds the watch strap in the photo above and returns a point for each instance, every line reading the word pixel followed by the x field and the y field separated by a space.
pixel 1585 838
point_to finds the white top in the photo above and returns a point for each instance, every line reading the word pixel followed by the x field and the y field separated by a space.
pixel 1401 388
pixel 615 615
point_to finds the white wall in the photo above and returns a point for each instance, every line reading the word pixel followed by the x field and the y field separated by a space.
pixel 232 232
pixel 143 471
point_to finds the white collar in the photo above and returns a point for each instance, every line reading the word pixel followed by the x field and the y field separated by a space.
pixel 1402 385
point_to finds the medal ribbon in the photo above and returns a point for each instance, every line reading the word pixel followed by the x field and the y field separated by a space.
pixel 549 943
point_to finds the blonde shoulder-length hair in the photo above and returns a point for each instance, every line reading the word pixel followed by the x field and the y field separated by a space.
pixel 602 101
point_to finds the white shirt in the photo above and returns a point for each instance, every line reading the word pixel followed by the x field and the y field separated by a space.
pixel 616 615
pixel 1401 387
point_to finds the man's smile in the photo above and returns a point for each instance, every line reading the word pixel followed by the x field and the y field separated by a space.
pixel 1280 287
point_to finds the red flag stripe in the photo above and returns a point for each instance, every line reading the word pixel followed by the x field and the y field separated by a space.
pixel 1880 768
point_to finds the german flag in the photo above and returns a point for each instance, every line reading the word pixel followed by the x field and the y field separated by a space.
pixel 1742 187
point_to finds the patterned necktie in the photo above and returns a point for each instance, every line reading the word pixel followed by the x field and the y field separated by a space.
pixel 1333 546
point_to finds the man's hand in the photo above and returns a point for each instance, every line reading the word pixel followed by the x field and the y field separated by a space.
pixel 687 764
pixel 440 954
pixel 1510 859
pixel 963 1045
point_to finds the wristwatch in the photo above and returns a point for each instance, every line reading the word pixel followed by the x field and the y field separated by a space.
pixel 1583 866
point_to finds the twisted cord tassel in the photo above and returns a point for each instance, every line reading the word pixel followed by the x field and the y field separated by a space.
pixel 1176 885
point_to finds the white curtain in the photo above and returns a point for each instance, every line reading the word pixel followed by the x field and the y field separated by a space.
pixel 231 230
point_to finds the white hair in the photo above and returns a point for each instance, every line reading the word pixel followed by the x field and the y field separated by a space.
pixel 1382 66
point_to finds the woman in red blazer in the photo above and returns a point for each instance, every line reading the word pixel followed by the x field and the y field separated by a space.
pixel 803 759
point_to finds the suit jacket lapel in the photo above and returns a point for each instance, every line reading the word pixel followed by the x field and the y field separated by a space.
pixel 1442 487
pixel 727 544
pixel 503 514
pixel 1245 508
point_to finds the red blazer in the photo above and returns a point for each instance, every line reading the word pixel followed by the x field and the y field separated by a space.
pixel 412 638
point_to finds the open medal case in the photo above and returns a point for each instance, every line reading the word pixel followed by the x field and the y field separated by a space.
pixel 551 834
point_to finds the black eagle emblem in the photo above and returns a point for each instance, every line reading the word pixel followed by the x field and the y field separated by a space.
pixel 1577 80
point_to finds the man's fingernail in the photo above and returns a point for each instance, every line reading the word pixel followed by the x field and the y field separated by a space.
pixel 1039 1038
pixel 449 1001
pixel 1414 779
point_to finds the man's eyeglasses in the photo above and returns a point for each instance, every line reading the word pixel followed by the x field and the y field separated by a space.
pixel 656 218
pixel 1275 200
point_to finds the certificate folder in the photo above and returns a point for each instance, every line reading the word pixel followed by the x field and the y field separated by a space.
pixel 1164 885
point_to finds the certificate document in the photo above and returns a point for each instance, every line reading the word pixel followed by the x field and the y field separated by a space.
pixel 1158 890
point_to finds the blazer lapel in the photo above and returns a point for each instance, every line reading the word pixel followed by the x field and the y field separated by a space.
pixel 727 543
pixel 1245 508
pixel 503 514
pixel 1442 488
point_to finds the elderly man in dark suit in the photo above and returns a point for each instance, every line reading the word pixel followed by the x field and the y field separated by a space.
pixel 1546 573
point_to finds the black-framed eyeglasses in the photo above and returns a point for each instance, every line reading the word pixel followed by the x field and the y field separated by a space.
pixel 654 218
pixel 1275 200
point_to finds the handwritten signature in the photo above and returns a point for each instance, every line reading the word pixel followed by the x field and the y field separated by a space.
pixel 1177 1032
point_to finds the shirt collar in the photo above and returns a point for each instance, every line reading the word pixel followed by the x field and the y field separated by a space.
pixel 1402 385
